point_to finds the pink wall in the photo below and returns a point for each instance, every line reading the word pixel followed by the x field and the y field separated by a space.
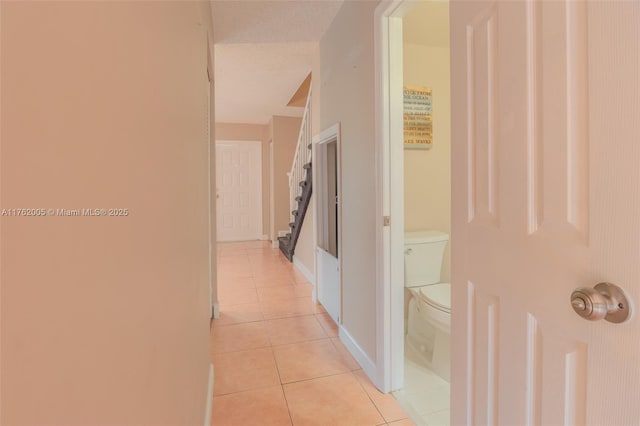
pixel 252 132
pixel 104 319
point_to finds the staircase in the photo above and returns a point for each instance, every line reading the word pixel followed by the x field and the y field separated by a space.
pixel 300 184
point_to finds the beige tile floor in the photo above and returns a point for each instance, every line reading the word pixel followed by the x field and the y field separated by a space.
pixel 277 356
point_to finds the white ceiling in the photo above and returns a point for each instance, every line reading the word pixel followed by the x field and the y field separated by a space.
pixel 263 51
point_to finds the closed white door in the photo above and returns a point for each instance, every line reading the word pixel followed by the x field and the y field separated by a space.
pixel 327 190
pixel 546 198
pixel 239 190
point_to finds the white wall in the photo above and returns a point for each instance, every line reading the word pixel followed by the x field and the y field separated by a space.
pixel 346 95
pixel 105 320
pixel 427 173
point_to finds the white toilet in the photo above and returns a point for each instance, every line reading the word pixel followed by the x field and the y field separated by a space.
pixel 429 311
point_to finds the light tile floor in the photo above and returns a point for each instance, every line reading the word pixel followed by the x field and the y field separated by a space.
pixel 425 395
pixel 277 356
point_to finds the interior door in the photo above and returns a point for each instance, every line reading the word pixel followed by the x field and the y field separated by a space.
pixel 239 190
pixel 546 198
pixel 327 204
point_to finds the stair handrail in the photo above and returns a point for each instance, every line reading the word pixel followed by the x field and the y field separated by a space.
pixel 301 157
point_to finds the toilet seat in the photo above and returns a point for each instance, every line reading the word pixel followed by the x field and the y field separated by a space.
pixel 438 296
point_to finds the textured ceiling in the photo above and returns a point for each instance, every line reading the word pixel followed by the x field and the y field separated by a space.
pixel 263 52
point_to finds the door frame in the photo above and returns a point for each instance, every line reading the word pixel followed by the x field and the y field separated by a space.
pixel 390 193
pixel 258 143
pixel 325 136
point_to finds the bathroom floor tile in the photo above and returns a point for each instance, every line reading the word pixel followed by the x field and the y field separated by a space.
pixel 385 402
pixel 335 400
pixel 291 330
pixel 307 360
pixel 265 407
pixel 245 370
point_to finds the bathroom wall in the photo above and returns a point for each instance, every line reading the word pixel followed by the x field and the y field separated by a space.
pixel 428 172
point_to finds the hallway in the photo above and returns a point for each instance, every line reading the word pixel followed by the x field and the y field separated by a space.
pixel 277 356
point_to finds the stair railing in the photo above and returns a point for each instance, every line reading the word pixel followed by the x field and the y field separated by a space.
pixel 302 156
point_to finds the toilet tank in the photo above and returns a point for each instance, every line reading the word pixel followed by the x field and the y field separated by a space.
pixel 423 253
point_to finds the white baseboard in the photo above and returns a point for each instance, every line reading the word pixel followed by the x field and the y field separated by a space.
pixel 283 233
pixel 216 310
pixel 209 407
pixel 275 244
pixel 304 270
pixel 265 237
pixel 359 354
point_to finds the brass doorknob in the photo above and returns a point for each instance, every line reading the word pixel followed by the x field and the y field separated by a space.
pixel 604 301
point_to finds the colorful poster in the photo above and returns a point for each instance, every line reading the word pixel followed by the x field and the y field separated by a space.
pixel 418 119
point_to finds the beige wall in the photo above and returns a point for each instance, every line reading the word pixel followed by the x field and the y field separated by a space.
pixel 428 172
pixel 347 96
pixel 252 132
pixel 284 133
pixel 104 319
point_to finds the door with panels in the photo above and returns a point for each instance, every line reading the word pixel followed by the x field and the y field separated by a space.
pixel 239 190
pixel 546 199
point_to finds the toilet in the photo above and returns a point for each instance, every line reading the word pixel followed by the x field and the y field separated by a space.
pixel 429 309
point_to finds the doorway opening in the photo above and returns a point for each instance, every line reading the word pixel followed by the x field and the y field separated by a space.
pixel 416 195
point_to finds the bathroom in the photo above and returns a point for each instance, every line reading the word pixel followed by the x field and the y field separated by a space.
pixel 427 213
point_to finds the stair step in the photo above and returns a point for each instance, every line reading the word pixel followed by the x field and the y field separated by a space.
pixel 309 146
pixel 292 225
pixel 295 212
pixel 303 183
pixel 307 166
pixel 299 198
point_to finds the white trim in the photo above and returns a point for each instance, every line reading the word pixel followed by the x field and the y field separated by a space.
pixel 265 237
pixel 209 407
pixel 357 352
pixel 390 195
pixel 327 135
pixel 304 270
pixel 272 202
pixel 215 306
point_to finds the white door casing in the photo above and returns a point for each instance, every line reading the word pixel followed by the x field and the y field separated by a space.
pixel 545 199
pixel 329 274
pixel 239 190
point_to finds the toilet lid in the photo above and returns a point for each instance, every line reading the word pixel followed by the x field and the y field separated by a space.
pixel 438 295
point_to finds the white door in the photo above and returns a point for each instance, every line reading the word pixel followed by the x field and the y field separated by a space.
pixel 326 182
pixel 546 198
pixel 239 190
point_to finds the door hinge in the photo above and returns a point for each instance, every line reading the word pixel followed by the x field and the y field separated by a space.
pixel 386 221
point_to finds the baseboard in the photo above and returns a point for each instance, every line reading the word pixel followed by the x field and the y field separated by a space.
pixel 209 407
pixel 275 244
pixel 304 270
pixel 283 233
pixel 265 237
pixel 215 310
pixel 358 353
